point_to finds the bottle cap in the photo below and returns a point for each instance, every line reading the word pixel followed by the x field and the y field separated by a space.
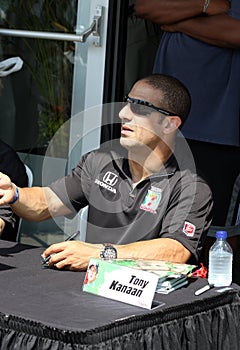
pixel 221 234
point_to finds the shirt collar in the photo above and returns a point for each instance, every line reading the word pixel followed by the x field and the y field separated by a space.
pixel 119 157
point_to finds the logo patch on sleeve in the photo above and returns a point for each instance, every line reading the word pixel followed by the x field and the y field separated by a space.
pixel 189 229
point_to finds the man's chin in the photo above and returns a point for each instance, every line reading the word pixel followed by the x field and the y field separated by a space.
pixel 127 143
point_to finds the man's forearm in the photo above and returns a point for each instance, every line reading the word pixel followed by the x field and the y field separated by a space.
pixel 219 30
pixel 75 255
pixel 157 249
pixel 172 11
pixel 31 204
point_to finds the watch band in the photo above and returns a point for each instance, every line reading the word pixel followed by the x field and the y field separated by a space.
pixel 16 195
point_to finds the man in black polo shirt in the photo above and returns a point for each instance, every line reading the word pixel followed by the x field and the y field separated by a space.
pixel 145 201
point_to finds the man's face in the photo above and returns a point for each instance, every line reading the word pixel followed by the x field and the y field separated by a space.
pixel 141 130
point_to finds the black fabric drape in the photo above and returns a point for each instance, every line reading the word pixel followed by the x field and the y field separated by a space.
pixel 216 326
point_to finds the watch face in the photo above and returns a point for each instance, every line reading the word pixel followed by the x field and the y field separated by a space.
pixel 109 252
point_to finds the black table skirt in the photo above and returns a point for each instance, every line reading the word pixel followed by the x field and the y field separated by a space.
pixel 46 309
pixel 215 328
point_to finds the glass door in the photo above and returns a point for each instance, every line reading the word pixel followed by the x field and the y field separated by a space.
pixel 63 48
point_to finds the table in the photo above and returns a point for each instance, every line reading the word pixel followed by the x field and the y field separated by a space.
pixel 43 308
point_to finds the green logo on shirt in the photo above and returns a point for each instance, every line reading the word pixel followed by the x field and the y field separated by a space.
pixel 152 200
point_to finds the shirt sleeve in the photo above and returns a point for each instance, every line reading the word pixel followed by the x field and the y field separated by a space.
pixel 189 214
pixel 73 189
pixel 235 9
pixel 9 217
pixel 12 165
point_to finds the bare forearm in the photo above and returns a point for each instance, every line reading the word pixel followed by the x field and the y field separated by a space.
pixel 172 11
pixel 165 11
pixel 75 255
pixel 31 204
pixel 219 30
pixel 157 249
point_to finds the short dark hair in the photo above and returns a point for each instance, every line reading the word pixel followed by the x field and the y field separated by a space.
pixel 176 97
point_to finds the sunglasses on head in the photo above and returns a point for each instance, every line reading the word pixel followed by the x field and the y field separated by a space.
pixel 141 107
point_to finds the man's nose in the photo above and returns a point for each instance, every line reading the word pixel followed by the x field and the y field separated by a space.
pixel 126 113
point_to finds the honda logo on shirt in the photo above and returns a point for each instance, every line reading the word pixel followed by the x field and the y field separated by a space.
pixel 110 178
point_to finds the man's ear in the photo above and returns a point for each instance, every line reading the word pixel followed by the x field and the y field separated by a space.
pixel 171 124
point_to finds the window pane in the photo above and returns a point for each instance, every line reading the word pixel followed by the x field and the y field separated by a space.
pixel 36 101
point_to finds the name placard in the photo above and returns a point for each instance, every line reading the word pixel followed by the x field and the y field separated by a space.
pixel 117 282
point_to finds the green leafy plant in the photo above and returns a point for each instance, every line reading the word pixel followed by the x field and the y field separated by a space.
pixel 50 70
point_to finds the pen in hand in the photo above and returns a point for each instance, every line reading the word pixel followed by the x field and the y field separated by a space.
pixel 69 238
pixel 46 260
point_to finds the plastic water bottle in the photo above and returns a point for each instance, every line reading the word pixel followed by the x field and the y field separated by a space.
pixel 220 261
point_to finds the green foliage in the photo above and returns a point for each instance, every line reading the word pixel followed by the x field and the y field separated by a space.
pixel 50 69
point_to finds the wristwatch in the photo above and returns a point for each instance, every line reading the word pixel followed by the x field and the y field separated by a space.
pixel 108 252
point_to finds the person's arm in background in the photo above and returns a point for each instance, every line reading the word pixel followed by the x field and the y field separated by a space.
pixel 2 225
pixel 220 30
pixel 8 223
pixel 12 165
pixel 172 11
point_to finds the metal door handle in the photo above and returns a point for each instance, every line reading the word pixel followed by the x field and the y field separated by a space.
pixel 82 37
pixel 94 28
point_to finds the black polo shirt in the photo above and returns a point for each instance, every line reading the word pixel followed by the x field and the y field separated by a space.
pixel 172 203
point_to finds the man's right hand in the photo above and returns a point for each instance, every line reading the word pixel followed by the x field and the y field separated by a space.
pixel 217 7
pixel 7 189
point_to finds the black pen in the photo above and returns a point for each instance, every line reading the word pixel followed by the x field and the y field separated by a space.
pixel 73 235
